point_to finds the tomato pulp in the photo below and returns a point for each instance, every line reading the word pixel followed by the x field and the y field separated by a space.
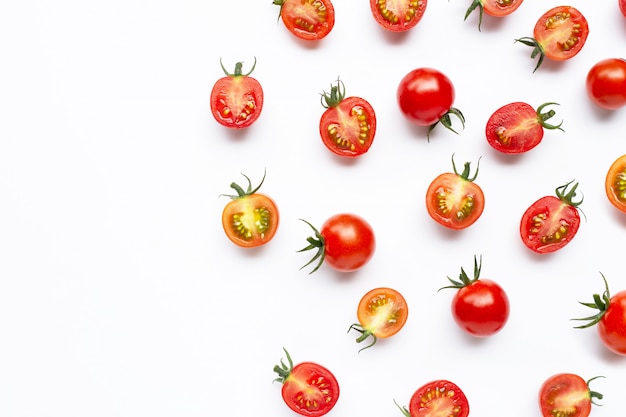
pixel 399 15
pixel 307 19
pixel 615 184
pixel 566 394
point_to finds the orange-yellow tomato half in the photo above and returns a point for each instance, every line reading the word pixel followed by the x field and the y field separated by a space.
pixel 615 183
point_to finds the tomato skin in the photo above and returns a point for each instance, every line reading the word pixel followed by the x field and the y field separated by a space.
pixel 236 99
pixel 615 184
pixel 495 8
pixel 307 19
pixel 399 16
pixel 606 83
pixel 481 308
pixel 425 95
pixel 565 394
pixel 622 6
pixel 612 326
pixel 439 398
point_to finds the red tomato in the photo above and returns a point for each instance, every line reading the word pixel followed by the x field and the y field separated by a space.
pixel 566 395
pixel 496 8
pixel 551 222
pixel 346 243
pixel 610 318
pixel 250 219
pixel 348 125
pixel 559 34
pixel 398 16
pixel 237 99
pixel 615 183
pixel 309 389
pixel 606 83
pixel 382 313
pixel 438 398
pixel 454 200
pixel 307 19
pixel 480 307
pixel 518 127
pixel 622 6
pixel 425 97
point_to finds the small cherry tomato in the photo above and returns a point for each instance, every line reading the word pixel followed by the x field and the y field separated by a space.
pixel 454 200
pixel 566 395
pixel 346 243
pixel 426 96
pixel 610 318
pixel 437 399
pixel 399 15
pixel 480 306
pixel 309 389
pixel 250 219
pixel 615 183
pixel 517 127
pixel 606 83
pixel 551 222
pixel 382 313
pixel 237 98
pixel 559 35
pixel 495 8
pixel 348 125
pixel 307 19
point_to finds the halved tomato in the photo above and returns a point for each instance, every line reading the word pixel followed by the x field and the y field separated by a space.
pixel 568 395
pixel 496 8
pixel 307 19
pixel 615 183
pixel 439 398
pixel 398 15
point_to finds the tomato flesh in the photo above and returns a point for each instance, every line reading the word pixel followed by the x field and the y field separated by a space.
pixel 454 202
pixel 310 390
pixel 236 101
pixel 481 308
pixel 549 224
pixel 561 32
pixel 615 183
pixel 565 395
pixel 438 399
pixel 307 19
pixel 612 326
pixel 348 129
pixel 398 15
pixel 514 128
pixel 606 83
pixel 382 312
pixel 250 221
pixel 499 8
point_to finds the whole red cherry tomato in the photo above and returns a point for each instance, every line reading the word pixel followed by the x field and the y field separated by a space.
pixel 309 389
pixel 568 395
pixel 517 127
pixel 495 8
pixel 348 125
pixel 454 200
pixel 480 306
pixel 346 243
pixel 551 222
pixel 610 318
pixel 437 398
pixel 237 98
pixel 426 96
pixel 615 183
pixel 398 16
pixel 559 34
pixel 307 19
pixel 606 83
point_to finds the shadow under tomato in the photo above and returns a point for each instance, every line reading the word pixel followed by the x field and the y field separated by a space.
pixel 238 134
pixel 394 38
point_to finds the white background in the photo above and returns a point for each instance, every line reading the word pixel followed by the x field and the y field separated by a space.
pixel 119 292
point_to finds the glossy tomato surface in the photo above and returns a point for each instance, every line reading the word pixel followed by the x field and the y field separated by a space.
pixel 615 183
pixel 439 398
pixel 481 308
pixel 307 19
pixel 349 241
pixel 606 83
pixel 612 326
pixel 561 32
pixel 425 95
pixel 236 99
pixel 565 394
pixel 398 15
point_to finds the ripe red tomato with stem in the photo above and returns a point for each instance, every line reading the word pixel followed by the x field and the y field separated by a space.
pixel 309 389
pixel 552 221
pixel 495 8
pixel 382 312
pixel 346 243
pixel 606 83
pixel 567 394
pixel 237 98
pixel 399 15
pixel 307 19
pixel 437 398
pixel 250 219
pixel 615 184
pixel 480 306
pixel 559 34
pixel 426 96
pixel 517 127
pixel 454 200
pixel 610 318
pixel 348 125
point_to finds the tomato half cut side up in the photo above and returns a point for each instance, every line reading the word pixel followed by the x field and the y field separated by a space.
pixel 437 398
pixel 567 394
pixel 495 8
pixel 398 15
pixel 559 35
pixel 615 184
pixel 309 389
pixel 307 19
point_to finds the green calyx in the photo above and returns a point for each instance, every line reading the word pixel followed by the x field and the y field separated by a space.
pixel 568 196
pixel 315 242
pixel 365 334
pixel 336 95
pixel 594 394
pixel 238 69
pixel 248 191
pixel 464 280
pixel 542 117
pixel 476 4
pixel 446 121
pixel 537 49
pixel 466 170
pixel 600 302
pixel 404 410
pixel 283 370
